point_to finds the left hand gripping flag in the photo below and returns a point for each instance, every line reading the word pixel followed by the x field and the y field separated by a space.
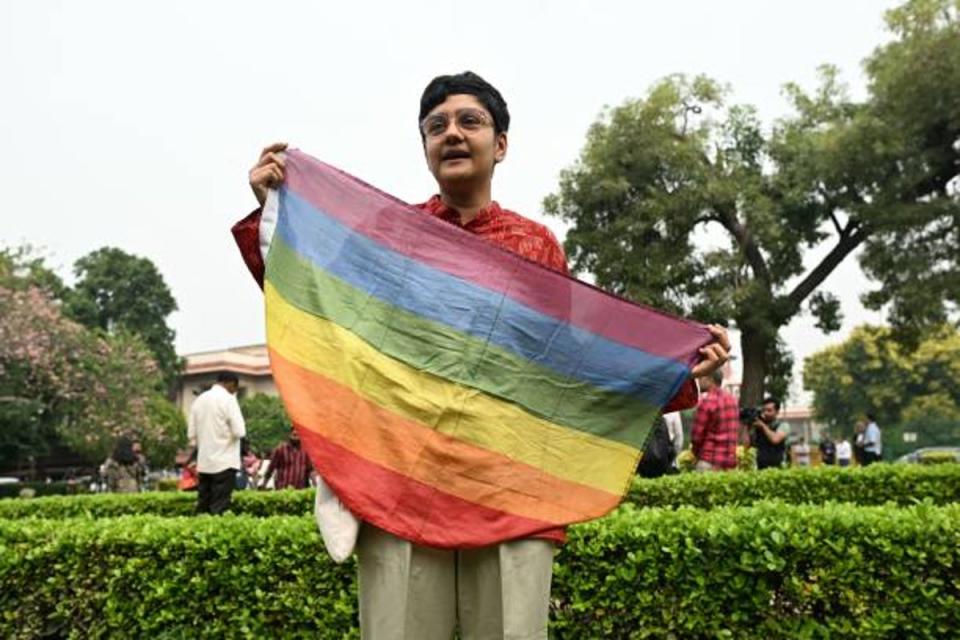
pixel 451 392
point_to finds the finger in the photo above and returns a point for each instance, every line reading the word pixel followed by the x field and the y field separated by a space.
pixel 272 158
pixel 717 355
pixel 718 351
pixel 276 176
pixel 269 176
pixel 273 148
pixel 720 333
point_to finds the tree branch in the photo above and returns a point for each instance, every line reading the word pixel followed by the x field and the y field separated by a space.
pixel 704 219
pixel 836 223
pixel 848 242
pixel 728 218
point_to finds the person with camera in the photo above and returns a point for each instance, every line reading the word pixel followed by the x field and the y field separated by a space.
pixel 769 434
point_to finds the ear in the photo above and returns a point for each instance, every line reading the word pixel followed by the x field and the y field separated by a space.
pixel 500 150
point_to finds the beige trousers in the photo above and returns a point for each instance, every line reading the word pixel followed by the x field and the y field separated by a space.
pixel 409 592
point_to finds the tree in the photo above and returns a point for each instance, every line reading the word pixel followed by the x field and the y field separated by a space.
pixel 62 383
pixel 915 88
pixel 22 268
pixel 266 420
pixel 907 389
pixel 116 291
pixel 682 201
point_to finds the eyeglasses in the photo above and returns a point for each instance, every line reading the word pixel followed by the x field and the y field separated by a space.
pixel 467 120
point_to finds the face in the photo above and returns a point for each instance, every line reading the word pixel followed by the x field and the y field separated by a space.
pixel 769 412
pixel 461 155
pixel 294 438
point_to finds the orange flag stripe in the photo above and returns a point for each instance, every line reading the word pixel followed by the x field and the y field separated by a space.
pixel 419 452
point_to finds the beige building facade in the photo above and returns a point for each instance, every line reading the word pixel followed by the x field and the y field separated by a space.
pixel 251 364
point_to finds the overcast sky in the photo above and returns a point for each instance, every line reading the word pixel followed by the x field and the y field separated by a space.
pixel 133 125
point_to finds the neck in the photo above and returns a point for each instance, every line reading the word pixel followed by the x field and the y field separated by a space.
pixel 469 203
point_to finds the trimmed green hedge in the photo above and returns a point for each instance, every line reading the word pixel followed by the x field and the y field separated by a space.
pixel 160 503
pixel 874 485
pixel 768 571
pixel 772 570
pixel 148 576
pixel 879 484
pixel 58 488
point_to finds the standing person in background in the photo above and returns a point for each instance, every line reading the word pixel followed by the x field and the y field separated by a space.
pixel 858 442
pixel 801 453
pixel 675 431
pixel 251 466
pixel 716 426
pixel 771 436
pixel 872 445
pixel 142 459
pixel 123 470
pixel 215 429
pixel 844 452
pixel 291 465
pixel 828 450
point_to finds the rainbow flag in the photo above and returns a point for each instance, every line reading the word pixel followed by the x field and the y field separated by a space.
pixel 449 391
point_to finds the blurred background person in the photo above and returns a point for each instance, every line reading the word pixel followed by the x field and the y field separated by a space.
pixel 289 465
pixel 123 470
pixel 844 452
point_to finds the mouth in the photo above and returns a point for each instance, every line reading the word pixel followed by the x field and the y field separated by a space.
pixel 455 154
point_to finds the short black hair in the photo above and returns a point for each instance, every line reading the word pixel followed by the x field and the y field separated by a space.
pixel 774 401
pixel 228 376
pixel 872 417
pixel 469 83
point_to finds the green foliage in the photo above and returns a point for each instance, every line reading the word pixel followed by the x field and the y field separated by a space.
pixel 168 433
pixel 261 504
pixel 875 485
pixel 60 382
pixel 64 384
pixel 908 389
pixel 771 570
pixel 267 422
pixel 22 268
pixel 145 576
pixel 915 84
pixel 38 489
pixel 657 173
pixel 117 291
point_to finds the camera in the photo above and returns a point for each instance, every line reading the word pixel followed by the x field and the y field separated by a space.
pixel 749 414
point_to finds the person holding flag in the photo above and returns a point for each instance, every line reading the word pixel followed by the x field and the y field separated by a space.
pixel 410 589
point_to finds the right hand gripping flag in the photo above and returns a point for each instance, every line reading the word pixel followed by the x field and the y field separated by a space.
pixel 451 392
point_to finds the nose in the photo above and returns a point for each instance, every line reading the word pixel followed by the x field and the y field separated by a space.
pixel 453 133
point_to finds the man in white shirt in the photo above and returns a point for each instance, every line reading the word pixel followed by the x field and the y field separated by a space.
pixel 675 429
pixel 844 453
pixel 215 429
pixel 872 445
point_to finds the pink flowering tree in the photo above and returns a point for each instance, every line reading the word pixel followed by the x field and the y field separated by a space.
pixel 62 381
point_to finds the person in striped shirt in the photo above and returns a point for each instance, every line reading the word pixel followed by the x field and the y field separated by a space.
pixel 290 464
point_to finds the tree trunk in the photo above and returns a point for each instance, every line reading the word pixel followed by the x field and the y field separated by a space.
pixel 753 345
